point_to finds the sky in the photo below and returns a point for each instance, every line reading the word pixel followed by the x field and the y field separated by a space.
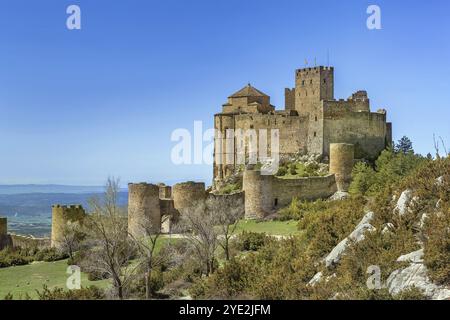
pixel 77 106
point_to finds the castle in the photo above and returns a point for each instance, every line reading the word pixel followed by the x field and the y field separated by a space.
pixel 313 122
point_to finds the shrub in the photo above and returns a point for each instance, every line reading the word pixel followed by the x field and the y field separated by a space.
pixel 293 169
pixel 251 241
pixel 297 209
pixel 230 188
pixel 390 169
pixel 89 293
pixel 11 257
pixel 49 255
pixel 282 171
pixel 412 293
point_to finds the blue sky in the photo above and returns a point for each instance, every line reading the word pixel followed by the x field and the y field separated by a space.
pixel 77 106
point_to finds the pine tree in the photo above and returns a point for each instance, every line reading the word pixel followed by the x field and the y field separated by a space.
pixel 404 145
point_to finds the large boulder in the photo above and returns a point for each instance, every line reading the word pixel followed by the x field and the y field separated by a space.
pixel 415 275
pixel 357 235
pixel 339 195
pixel 403 202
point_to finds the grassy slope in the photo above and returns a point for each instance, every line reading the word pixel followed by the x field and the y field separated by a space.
pixel 29 278
pixel 281 228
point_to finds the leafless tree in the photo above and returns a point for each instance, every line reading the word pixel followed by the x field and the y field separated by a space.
pixel 111 249
pixel 226 219
pixel 146 244
pixel 72 237
pixel 198 225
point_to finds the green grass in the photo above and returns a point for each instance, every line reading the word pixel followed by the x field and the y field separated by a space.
pixel 281 228
pixel 27 279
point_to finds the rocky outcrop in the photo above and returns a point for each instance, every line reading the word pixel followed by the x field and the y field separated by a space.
pixel 316 279
pixel 403 202
pixel 339 195
pixel 415 275
pixel 357 235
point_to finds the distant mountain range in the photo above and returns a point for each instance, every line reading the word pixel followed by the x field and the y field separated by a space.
pixel 29 207
pixel 48 188
pixel 36 204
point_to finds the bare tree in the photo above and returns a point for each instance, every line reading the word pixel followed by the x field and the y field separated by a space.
pixel 199 227
pixel 111 249
pixel 146 244
pixel 226 219
pixel 72 237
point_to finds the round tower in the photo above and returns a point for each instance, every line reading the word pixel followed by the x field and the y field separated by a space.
pixel 144 212
pixel 60 216
pixel 5 239
pixel 189 195
pixel 258 194
pixel 165 192
pixel 341 164
pixel 3 226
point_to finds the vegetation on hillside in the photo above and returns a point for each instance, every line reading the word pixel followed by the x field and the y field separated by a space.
pixel 230 259
pixel 282 269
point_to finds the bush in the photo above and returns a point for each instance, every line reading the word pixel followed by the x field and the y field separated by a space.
pixel 11 257
pixel 21 256
pixel 230 188
pixel 412 293
pixel 97 276
pixel 50 255
pixel 89 293
pixel 293 169
pixel 282 171
pixel 251 241
pixel 297 209
pixel 390 169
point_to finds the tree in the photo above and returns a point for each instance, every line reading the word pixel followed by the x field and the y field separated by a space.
pixel 404 145
pixel 111 249
pixel 227 219
pixel 146 244
pixel 198 225
pixel 72 237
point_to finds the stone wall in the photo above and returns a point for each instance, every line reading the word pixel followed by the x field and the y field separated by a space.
pixel 366 130
pixel 223 204
pixel 309 188
pixel 30 242
pixel 264 194
pixel 188 195
pixel 292 130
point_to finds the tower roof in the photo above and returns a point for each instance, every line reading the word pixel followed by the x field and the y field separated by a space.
pixel 248 91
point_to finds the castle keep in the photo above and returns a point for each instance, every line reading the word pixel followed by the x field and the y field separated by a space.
pixel 312 119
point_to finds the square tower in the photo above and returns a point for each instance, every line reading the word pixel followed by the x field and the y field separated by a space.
pixel 311 86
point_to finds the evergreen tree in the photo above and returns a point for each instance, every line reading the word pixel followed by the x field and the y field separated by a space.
pixel 404 145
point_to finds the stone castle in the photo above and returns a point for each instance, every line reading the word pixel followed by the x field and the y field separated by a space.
pixel 313 122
